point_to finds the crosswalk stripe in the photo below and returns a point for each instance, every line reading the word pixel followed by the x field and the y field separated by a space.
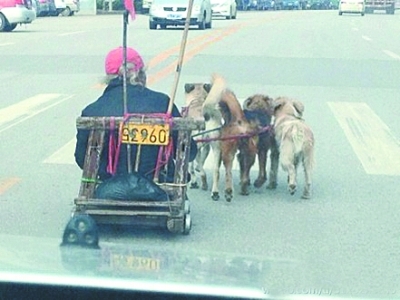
pixel 371 139
pixel 21 111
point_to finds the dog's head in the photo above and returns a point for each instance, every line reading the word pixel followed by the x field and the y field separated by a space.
pixel 287 106
pixel 259 102
pixel 196 94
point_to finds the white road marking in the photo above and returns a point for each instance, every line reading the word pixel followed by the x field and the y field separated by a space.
pixel 17 113
pixel 355 29
pixel 371 139
pixel 366 38
pixel 65 155
pixel 391 54
pixel 71 33
pixel 6 44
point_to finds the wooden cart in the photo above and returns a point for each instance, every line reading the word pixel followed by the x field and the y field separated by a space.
pixel 173 214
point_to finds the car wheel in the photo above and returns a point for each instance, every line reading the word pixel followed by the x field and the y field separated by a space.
pixel 66 12
pixel 202 24
pixel 209 25
pixel 3 22
pixel 152 25
pixel 340 13
pixel 10 27
pixel 230 14
pixel 234 16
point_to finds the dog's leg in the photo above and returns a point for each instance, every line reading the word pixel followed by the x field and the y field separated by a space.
pixel 273 172
pixel 193 178
pixel 262 162
pixel 228 155
pixel 201 159
pixel 288 164
pixel 216 148
pixel 246 157
pixel 308 166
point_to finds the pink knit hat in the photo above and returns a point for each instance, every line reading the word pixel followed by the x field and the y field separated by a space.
pixel 114 60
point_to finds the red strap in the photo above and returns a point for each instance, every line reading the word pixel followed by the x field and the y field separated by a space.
pixel 114 148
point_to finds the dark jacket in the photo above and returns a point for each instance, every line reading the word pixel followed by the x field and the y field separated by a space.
pixel 140 100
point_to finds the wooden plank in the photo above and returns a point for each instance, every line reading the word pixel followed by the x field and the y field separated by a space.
pixel 103 123
pixel 127 203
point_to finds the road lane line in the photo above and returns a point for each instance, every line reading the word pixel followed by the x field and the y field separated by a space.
pixel 8 183
pixel 189 54
pixel 6 44
pixel 65 155
pixel 392 54
pixel 71 33
pixel 366 38
pixel 371 139
pixel 28 108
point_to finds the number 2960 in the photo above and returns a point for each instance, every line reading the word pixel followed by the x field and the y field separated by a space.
pixel 145 134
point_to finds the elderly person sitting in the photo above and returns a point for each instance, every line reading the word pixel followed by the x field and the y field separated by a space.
pixel 140 99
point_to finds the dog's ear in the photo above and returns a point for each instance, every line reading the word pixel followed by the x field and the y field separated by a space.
pixel 247 102
pixel 207 87
pixel 278 102
pixel 299 107
pixel 189 87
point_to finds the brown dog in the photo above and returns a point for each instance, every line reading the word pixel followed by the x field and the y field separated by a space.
pixel 294 144
pixel 237 134
pixel 258 110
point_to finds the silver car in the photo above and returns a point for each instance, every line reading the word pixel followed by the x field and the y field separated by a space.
pixel 173 13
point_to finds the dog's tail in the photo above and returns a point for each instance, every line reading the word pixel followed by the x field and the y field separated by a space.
pixel 211 104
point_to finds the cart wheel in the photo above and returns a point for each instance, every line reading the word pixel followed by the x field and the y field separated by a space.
pixel 173 225
pixel 81 230
pixel 187 206
pixel 187 224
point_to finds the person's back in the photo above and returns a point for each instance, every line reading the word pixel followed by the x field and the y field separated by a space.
pixel 140 100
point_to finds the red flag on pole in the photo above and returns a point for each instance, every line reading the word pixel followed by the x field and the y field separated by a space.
pixel 131 8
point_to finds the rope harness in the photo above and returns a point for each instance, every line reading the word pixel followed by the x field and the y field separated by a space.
pixel 231 137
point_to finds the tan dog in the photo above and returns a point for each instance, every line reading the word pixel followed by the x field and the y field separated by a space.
pixel 196 94
pixel 294 144
pixel 258 110
pixel 237 134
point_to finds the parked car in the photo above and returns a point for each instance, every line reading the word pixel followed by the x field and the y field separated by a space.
pixel 14 12
pixel 291 4
pixel 224 8
pixel 173 13
pixel 72 7
pixel 352 6
pixel 146 4
pixel 42 7
pixel 56 7
pixel 320 4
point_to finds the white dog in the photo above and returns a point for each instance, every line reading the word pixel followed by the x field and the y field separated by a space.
pixel 294 143
pixel 196 95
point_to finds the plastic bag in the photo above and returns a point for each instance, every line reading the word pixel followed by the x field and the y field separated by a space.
pixel 133 186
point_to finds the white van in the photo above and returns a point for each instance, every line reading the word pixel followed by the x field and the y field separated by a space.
pixel 352 7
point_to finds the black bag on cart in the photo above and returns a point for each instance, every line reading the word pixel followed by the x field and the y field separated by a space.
pixel 132 186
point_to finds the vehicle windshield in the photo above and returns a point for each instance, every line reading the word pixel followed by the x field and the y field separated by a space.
pixel 253 154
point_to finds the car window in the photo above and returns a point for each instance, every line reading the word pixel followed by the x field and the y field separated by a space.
pixel 292 192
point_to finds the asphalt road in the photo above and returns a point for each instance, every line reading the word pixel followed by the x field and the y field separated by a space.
pixel 345 241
